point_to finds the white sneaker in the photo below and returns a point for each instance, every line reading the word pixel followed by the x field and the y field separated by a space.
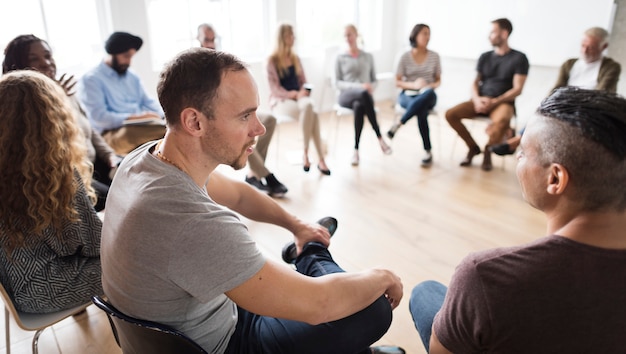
pixel 427 160
pixel 355 158
pixel 384 147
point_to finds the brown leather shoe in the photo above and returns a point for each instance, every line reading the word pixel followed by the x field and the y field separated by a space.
pixel 487 166
pixel 473 151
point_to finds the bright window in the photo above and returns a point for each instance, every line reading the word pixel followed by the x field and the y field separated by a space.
pixel 320 24
pixel 50 21
pixel 241 25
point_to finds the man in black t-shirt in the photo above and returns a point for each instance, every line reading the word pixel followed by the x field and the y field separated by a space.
pixel 501 74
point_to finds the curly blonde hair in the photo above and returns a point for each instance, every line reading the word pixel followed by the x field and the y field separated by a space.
pixel 42 150
pixel 281 52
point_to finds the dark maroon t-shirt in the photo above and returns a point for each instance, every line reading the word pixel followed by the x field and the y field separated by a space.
pixel 554 295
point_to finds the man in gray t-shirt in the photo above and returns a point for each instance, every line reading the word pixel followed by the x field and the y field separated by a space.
pixel 500 78
pixel 174 252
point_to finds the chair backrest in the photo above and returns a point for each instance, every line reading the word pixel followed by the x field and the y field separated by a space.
pixel 138 336
pixel 330 58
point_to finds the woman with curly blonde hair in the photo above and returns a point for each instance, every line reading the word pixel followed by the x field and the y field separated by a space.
pixel 289 96
pixel 49 229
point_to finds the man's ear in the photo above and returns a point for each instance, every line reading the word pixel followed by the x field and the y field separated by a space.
pixel 190 121
pixel 558 179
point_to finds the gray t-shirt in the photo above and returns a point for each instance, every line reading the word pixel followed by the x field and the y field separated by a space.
pixel 169 252
pixel 554 295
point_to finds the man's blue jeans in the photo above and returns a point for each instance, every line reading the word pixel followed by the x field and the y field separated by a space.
pixel 353 334
pixel 426 300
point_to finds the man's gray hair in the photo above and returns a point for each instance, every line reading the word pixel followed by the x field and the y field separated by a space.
pixel 599 33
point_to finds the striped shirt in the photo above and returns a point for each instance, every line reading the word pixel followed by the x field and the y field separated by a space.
pixel 409 70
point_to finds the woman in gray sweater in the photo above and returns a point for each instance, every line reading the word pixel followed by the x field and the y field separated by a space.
pixel 356 79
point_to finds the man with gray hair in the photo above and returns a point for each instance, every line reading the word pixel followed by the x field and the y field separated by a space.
pixel 593 72
pixel 207 36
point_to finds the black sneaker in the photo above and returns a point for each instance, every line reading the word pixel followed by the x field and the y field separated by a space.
pixel 274 187
pixel 502 149
pixel 289 252
pixel 392 131
pixel 255 182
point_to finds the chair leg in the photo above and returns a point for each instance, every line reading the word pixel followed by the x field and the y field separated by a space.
pixel 277 145
pixel 7 333
pixel 336 117
pixel 36 341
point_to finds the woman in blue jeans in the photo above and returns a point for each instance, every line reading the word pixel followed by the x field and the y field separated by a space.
pixel 418 75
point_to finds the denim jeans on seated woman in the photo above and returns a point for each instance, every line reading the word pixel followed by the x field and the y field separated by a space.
pixel 352 334
pixel 419 105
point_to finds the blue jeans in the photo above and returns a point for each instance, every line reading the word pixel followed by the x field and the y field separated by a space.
pixel 353 334
pixel 426 300
pixel 419 106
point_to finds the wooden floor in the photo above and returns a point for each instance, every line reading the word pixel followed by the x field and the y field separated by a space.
pixel 392 213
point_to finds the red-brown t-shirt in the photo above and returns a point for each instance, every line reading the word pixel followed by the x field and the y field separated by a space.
pixel 554 295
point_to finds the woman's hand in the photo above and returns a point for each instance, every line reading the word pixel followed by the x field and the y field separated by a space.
pixel 302 93
pixel 67 84
pixel 419 83
pixel 368 87
pixel 294 95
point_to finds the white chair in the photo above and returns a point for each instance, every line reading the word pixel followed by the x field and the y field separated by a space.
pixel 32 321
pixel 280 119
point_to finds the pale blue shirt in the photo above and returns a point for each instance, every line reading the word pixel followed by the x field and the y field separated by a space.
pixel 109 98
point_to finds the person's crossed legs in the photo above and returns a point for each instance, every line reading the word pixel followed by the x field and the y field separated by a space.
pixel 353 334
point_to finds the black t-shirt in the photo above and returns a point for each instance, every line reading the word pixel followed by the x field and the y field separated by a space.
pixel 497 71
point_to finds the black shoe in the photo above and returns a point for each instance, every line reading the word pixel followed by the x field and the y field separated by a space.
pixel 329 223
pixel 324 172
pixel 255 182
pixel 275 188
pixel 392 131
pixel 502 149
pixel 387 349
pixel 289 252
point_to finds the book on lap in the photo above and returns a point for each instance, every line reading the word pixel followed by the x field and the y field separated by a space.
pixel 145 121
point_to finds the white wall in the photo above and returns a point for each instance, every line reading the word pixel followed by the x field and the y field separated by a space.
pixel 548 32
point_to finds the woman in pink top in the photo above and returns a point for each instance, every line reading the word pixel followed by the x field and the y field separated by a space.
pixel 289 96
